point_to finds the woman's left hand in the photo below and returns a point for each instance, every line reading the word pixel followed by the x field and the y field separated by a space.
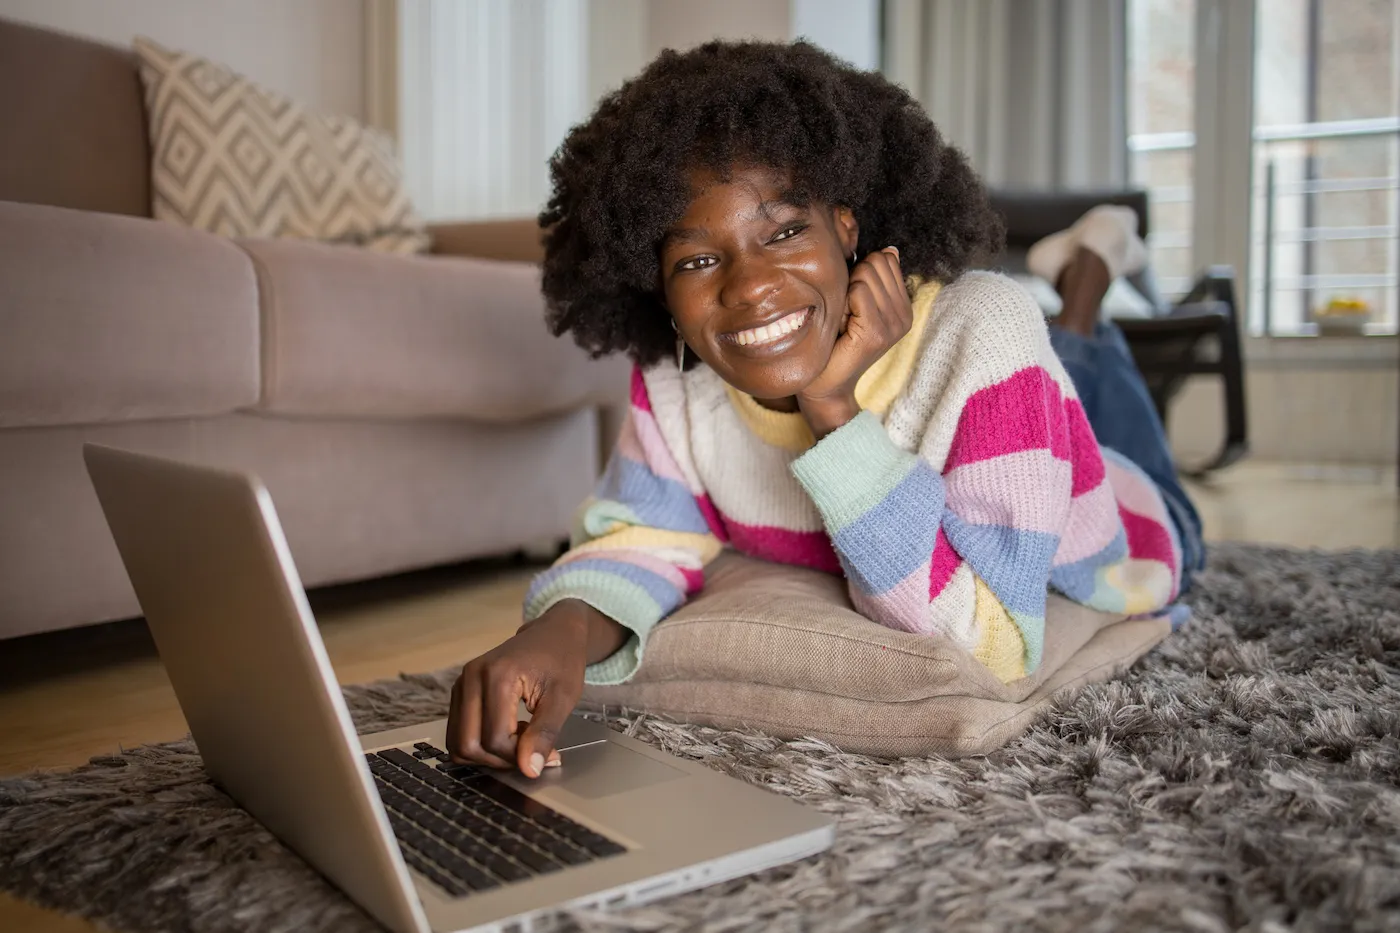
pixel 878 314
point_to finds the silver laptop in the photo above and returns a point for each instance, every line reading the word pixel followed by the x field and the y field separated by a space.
pixel 419 843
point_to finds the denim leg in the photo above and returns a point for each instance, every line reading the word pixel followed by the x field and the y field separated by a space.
pixel 1121 412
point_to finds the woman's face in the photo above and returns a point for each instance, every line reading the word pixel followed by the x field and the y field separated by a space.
pixel 757 284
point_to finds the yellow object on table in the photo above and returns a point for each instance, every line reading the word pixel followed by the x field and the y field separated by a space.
pixel 1343 316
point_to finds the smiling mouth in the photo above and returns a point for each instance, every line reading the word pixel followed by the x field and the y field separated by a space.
pixel 773 332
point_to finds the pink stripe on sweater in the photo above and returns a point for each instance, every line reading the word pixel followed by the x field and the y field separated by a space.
pixel 640 399
pixel 718 526
pixel 1091 525
pixel 1027 490
pixel 800 548
pixel 944 564
pixel 1147 539
pixel 1022 412
pixel 694 580
pixel 1134 490
pixel 903 608
pixel 642 442
pixel 1084 450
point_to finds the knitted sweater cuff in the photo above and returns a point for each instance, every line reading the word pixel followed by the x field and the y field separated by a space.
pixel 619 600
pixel 852 470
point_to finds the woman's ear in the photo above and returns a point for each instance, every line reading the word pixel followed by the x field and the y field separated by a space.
pixel 847 229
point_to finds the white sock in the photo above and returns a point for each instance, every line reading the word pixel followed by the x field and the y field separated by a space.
pixel 1110 230
pixel 1048 257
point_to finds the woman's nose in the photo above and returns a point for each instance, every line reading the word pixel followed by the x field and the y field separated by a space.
pixel 747 281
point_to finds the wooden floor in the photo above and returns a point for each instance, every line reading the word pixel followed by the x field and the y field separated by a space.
pixel 67 696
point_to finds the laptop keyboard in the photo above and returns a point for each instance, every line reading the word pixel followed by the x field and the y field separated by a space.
pixel 467 831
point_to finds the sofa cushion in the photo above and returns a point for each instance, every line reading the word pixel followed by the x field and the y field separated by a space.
pixel 231 157
pixel 74 127
pixel 110 318
pixel 355 334
pixel 780 648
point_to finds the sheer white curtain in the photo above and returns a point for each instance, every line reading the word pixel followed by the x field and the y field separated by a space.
pixel 478 93
pixel 1032 90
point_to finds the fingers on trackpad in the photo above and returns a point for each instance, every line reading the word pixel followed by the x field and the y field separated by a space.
pixel 603 769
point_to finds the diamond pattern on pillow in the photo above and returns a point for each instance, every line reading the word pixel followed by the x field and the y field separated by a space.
pixel 236 159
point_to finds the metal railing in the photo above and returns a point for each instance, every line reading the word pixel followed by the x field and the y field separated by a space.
pixel 1279 132
pixel 1272 188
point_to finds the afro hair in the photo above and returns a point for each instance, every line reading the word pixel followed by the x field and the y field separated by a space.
pixel 841 136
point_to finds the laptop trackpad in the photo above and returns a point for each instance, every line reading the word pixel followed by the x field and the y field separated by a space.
pixel 606 768
pixel 580 731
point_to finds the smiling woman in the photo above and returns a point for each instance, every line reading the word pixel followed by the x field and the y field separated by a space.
pixel 850 397
pixel 759 287
pixel 828 136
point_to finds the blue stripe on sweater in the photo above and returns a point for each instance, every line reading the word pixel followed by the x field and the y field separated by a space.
pixel 657 502
pixel 657 587
pixel 896 537
pixel 1079 580
pixel 1015 563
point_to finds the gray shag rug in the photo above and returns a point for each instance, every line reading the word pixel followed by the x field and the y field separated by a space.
pixel 1243 776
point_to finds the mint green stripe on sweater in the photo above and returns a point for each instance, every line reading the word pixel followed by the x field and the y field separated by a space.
pixel 597 517
pixel 1032 630
pixel 852 470
pixel 622 600
pixel 618 667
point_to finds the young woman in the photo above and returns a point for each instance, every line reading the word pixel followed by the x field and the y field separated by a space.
pixel 782 244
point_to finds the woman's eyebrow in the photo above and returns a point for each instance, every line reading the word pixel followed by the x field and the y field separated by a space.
pixel 767 209
pixel 684 235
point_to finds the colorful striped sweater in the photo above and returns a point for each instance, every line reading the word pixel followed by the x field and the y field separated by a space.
pixel 968 487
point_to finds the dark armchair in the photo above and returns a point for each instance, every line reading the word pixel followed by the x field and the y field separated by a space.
pixel 1200 335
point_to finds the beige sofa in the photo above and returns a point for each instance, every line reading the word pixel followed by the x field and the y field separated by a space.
pixel 404 412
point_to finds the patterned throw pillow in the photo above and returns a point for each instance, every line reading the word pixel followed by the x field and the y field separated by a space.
pixel 235 159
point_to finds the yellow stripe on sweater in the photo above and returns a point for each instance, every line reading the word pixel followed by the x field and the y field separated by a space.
pixel 1000 646
pixel 638 536
pixel 875 392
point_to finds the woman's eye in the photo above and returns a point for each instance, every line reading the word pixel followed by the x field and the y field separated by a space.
pixel 789 232
pixel 699 262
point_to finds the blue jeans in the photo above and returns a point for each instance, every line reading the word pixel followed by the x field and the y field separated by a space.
pixel 1121 412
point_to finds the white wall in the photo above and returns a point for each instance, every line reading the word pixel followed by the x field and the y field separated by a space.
pixel 310 50
pixel 684 24
pixel 617 44
pixel 848 29
pixel 1322 400
pixel 625 35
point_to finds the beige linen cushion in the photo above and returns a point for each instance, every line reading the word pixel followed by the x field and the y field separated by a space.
pixel 232 158
pixel 779 649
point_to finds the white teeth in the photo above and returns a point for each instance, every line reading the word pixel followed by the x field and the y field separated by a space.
pixel 770 332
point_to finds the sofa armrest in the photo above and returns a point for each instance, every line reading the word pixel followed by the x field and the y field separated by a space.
pixel 108 318
pixel 518 240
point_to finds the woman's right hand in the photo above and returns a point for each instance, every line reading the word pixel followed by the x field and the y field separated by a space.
pixel 542 664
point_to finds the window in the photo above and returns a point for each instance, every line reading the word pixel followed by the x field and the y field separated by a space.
pixel 1161 128
pixel 1324 162
pixel 1322 153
